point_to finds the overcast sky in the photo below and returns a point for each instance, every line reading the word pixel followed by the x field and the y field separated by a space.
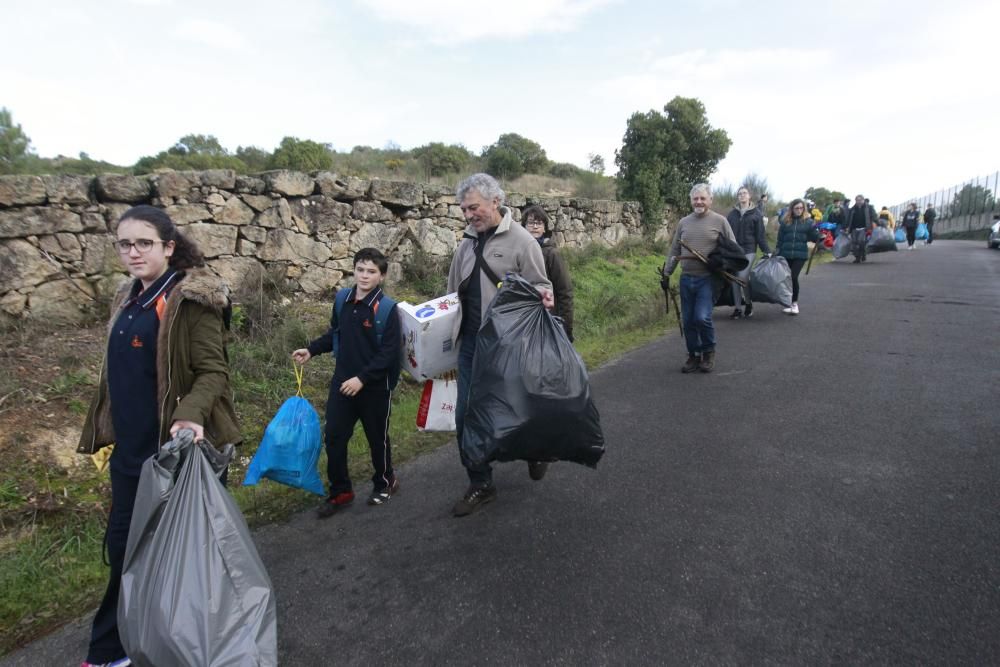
pixel 888 99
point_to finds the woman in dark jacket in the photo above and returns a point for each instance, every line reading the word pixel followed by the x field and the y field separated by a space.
pixel 164 369
pixel 747 222
pixel 536 221
pixel 794 233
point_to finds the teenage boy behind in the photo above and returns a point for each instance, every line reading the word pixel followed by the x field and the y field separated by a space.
pixel 364 337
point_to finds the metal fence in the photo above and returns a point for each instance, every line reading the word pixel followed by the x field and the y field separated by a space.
pixel 967 206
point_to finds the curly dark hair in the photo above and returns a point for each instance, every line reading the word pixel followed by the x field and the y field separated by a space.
pixel 186 254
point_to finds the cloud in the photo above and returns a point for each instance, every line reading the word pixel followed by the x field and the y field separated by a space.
pixel 210 33
pixel 458 21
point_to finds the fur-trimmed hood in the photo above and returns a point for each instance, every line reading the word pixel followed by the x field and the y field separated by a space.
pixel 192 379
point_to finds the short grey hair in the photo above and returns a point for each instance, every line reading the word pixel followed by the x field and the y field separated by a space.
pixel 701 187
pixel 484 184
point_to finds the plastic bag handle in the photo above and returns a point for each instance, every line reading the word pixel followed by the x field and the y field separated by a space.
pixel 299 372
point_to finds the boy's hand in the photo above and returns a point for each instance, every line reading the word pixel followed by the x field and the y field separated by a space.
pixel 301 356
pixel 351 387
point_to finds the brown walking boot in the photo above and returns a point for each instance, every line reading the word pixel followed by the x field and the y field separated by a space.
pixel 707 362
pixel 692 364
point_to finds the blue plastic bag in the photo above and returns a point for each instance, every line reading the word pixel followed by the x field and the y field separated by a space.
pixel 290 448
pixel 922 230
pixel 900 235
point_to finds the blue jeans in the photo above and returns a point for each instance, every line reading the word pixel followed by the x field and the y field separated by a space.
pixel 696 314
pixel 478 475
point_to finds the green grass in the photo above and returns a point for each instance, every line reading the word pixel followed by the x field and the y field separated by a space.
pixel 52 521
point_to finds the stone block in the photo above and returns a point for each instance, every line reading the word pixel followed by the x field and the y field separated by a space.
pixel 257 202
pixel 66 301
pixel 224 179
pixel 175 184
pixel 23 265
pixel 250 185
pixel 346 187
pixel 289 183
pixel 397 192
pixel 184 214
pixel 62 246
pixel 319 279
pixel 37 221
pixel 286 245
pixel 123 188
pixel 370 211
pixel 21 190
pixel 240 273
pixel 432 238
pixel 213 239
pixel 99 255
pixel 65 189
pixel 377 235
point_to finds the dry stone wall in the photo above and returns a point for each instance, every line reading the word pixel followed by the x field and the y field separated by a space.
pixel 57 261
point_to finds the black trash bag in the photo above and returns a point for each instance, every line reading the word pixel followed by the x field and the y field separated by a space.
pixel 530 393
pixel 882 240
pixel 194 590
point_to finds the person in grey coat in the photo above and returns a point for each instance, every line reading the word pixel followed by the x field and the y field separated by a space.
pixel 747 222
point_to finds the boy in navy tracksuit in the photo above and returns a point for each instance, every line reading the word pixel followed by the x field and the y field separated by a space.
pixel 364 337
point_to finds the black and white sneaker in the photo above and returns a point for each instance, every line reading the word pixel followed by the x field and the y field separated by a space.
pixel 382 497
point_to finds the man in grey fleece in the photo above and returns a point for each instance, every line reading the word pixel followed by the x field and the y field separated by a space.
pixel 492 245
pixel 700 231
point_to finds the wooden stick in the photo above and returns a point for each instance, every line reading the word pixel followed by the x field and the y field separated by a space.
pixel 701 258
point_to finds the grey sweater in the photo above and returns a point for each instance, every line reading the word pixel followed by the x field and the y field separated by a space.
pixel 702 234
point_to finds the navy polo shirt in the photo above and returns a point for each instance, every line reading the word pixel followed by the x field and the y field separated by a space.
pixel 132 374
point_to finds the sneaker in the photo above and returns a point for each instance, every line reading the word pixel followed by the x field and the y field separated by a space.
pixel 474 498
pixel 748 311
pixel 692 364
pixel 795 309
pixel 333 504
pixel 381 497
pixel 737 314
pixel 537 469
pixel 121 662
pixel 787 311
pixel 707 362
pixel 856 261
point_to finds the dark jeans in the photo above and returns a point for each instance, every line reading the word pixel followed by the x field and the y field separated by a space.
pixel 696 313
pixel 478 475
pixel 911 235
pixel 372 406
pixel 930 231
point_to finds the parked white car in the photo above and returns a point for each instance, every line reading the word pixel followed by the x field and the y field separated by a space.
pixel 993 241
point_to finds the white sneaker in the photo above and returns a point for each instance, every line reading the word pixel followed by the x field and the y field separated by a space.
pixel 795 309
pixel 788 311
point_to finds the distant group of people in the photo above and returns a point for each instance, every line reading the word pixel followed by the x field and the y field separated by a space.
pixel 703 232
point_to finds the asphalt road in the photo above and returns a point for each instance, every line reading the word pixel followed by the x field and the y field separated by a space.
pixel 830 495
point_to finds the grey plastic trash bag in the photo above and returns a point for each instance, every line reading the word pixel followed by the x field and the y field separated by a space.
pixel 530 394
pixel 194 591
pixel 842 245
pixel 771 281
pixel 882 240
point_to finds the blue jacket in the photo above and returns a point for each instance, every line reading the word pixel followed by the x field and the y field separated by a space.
pixel 792 238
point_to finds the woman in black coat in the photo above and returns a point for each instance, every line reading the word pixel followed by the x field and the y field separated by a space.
pixel 536 221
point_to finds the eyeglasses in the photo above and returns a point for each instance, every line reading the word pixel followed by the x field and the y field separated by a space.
pixel 124 247
pixel 534 223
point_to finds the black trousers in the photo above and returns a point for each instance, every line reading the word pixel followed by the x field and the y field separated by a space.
pixel 372 406
pixel 796 266
pixel 105 644
pixel 911 235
